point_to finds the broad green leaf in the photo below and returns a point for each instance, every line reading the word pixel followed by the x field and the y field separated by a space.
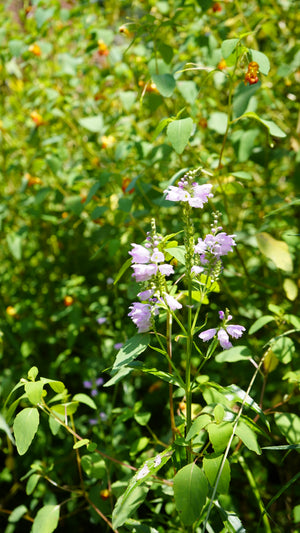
pixel 34 391
pixel 242 97
pixel 68 408
pixel 16 47
pixel 292 377
pixel 262 60
pixel 284 349
pixel 277 251
pixel 218 122
pixel 46 519
pixel 132 497
pixel 260 323
pixel 246 144
pixel 211 467
pixel 130 350
pixel 228 46
pixel 237 353
pixel 219 413
pixel 273 129
pixel 188 90
pixel 289 425
pixel 290 289
pixel 165 83
pixel 190 491
pixel 41 15
pixel 197 425
pixel 179 132
pixel 245 433
pixel 17 513
pixel 94 124
pixel 25 427
pixel 57 386
pixel 219 435
pixel 84 398
pixel 178 252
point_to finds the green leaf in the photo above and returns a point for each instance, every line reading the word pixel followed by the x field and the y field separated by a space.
pixel 57 386
pixel 272 128
pixel 84 398
pixel 178 252
pixel 68 408
pixel 290 289
pixel 284 349
pixel 34 391
pixel 230 519
pixel 14 242
pixel 211 467
pixel 190 491
pixel 46 519
pixel 242 97
pixel 161 374
pixel 32 373
pixel 32 483
pixel 236 353
pixel 245 433
pixel 188 90
pixel 130 350
pixel 17 513
pixel 260 323
pixel 179 132
pixel 289 425
pixel 25 427
pixel 133 497
pixel 218 122
pixel 262 60
pixel 277 251
pixel 94 124
pixel 165 83
pixel 219 435
pixel 228 46
pixel 80 443
pixel 240 396
pixel 197 425
pixel 41 15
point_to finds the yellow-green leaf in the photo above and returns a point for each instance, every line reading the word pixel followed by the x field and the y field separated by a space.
pixel 275 250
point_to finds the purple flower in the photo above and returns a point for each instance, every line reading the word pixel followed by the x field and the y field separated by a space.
pixel 223 333
pixel 118 345
pixel 143 272
pixel 171 302
pixel 93 385
pixel 140 254
pixel 217 245
pixel 101 320
pixel 141 316
pixel 187 191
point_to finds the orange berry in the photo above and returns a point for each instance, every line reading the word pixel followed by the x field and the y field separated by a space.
pixel 37 118
pixel 68 300
pixel 107 141
pixel 35 49
pixel 216 7
pixel 102 48
pixel 65 214
pixel 222 64
pixel 104 494
pixel 125 182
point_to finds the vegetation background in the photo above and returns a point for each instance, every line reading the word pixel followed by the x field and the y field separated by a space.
pixel 87 92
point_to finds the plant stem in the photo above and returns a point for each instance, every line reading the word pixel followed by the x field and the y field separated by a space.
pixel 169 349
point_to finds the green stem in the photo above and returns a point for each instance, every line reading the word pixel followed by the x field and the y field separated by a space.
pixel 256 493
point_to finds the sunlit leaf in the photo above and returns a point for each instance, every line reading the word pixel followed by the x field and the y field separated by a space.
pixel 25 427
pixel 190 491
pixel 179 132
pixel 277 251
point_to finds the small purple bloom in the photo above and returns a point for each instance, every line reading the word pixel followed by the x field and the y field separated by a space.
pixel 141 316
pixel 101 320
pixel 172 302
pixel 157 256
pixel 87 384
pixel 223 333
pixel 140 254
pixel 193 193
pixel 145 295
pixel 208 334
pixel 166 269
pixel 143 272
pixel 118 345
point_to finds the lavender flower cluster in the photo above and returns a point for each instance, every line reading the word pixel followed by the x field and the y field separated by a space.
pixel 148 264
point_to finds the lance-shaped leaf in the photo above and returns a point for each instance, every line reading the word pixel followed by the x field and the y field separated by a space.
pixel 130 350
pixel 134 495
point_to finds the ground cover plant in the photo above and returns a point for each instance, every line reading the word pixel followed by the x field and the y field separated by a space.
pixel 149 268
